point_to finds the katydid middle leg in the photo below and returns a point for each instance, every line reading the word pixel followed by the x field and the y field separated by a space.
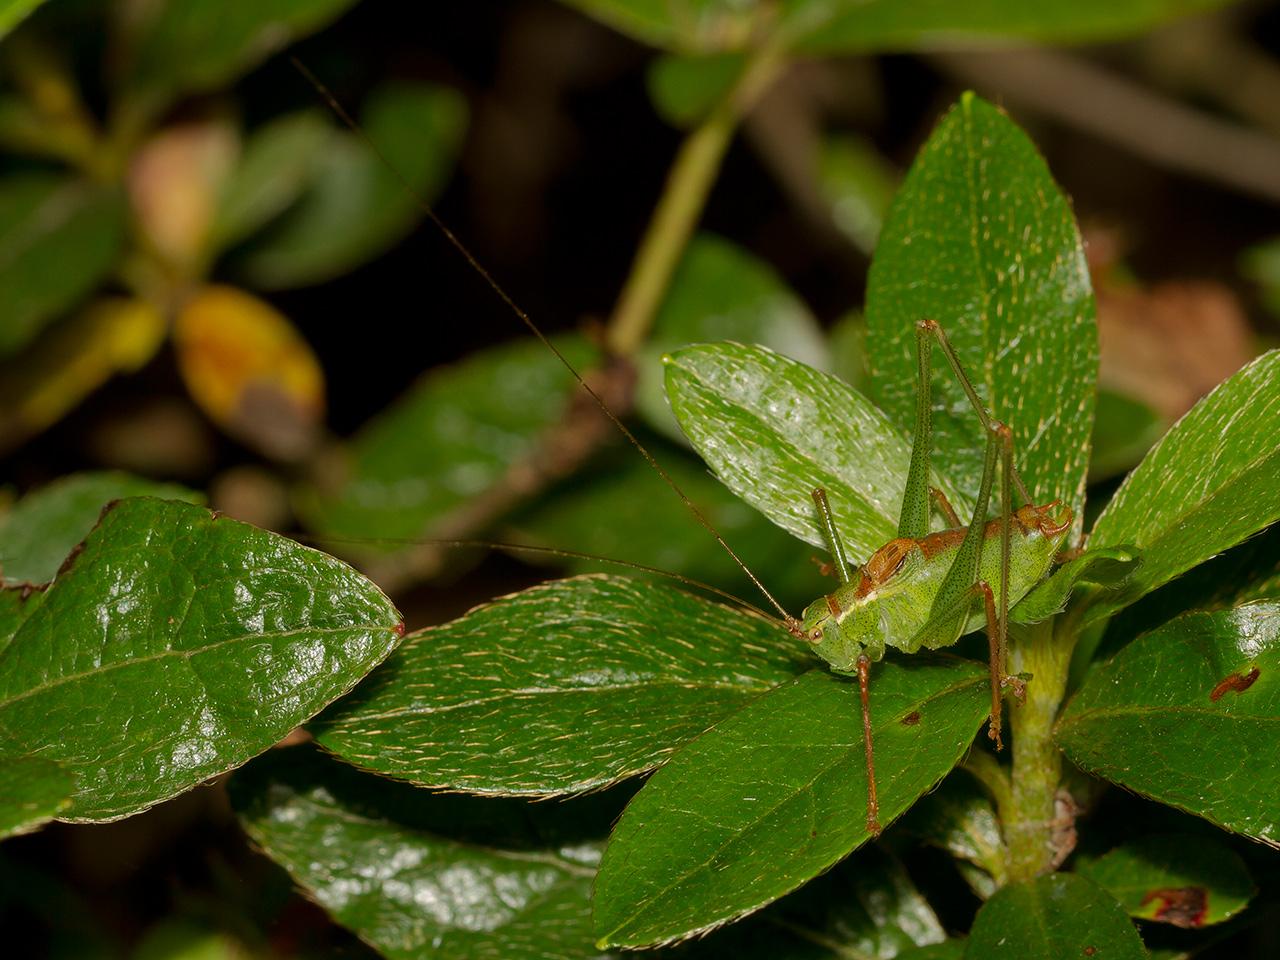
pixel 950 610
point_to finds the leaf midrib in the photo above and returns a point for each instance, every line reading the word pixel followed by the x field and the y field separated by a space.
pixel 185 654
pixel 550 691
pixel 807 788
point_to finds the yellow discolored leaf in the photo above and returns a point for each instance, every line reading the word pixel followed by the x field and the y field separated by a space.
pixel 112 335
pixel 250 370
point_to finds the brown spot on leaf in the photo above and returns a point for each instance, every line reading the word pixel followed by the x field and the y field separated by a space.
pixel 1179 906
pixel 911 719
pixel 1239 682
pixel 1090 951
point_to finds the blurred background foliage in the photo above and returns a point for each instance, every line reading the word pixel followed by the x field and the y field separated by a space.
pixel 208 282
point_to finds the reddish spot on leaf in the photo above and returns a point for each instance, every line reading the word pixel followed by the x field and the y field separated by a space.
pixel 1239 682
pixel 1090 951
pixel 912 718
pixel 1180 906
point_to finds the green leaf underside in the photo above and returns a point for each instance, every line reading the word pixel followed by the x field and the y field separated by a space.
pixel 1054 917
pixel 175 646
pixel 1182 879
pixel 690 26
pixel 1207 485
pixel 776 793
pixel 981 240
pixel 958 817
pixel 452 437
pixel 357 205
pixel 199 45
pixel 32 791
pixel 1176 717
pixel 38 533
pixel 868 906
pixel 1105 566
pixel 404 884
pixel 722 292
pixel 58 238
pixel 773 429
pixel 564 687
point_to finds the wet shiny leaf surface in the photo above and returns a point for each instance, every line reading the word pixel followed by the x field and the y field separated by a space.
pixel 32 791
pixel 175 646
pixel 776 793
pixel 560 688
pixel 1207 485
pixel 1187 715
pixel 386 861
pixel 773 429
pixel 981 240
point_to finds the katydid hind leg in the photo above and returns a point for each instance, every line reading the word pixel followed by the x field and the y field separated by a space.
pixel 864 693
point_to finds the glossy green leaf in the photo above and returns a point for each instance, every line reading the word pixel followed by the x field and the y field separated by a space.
pixel 175 646
pixel 648 524
pixel 13 12
pixel 959 818
pixel 722 292
pixel 1207 485
pixel 1250 571
pixel 772 430
pixel 776 793
pixel 1187 715
pixel 846 26
pixel 385 860
pixel 691 25
pixel 868 906
pixel 32 791
pixel 357 205
pixel 197 45
pixel 561 688
pixel 684 89
pixel 274 168
pixel 450 438
pixel 58 238
pixel 39 531
pixel 858 184
pixel 1179 879
pixel 981 239
pixel 1106 566
pixel 1051 918
pixel 1123 431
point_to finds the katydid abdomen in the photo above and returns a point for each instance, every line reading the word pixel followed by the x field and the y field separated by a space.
pixel 891 598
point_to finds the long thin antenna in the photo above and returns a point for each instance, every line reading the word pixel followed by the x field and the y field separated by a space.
pixel 333 104
pixel 463 543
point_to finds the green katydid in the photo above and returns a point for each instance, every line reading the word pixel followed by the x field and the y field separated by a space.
pixel 926 590
pixel 921 589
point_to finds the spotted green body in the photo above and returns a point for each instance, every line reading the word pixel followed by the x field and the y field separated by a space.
pixel 892 599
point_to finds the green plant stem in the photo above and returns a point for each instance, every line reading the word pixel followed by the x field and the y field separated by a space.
pixel 683 197
pixel 1044 651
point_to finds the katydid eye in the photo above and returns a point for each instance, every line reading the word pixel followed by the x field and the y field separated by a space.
pixel 816 634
